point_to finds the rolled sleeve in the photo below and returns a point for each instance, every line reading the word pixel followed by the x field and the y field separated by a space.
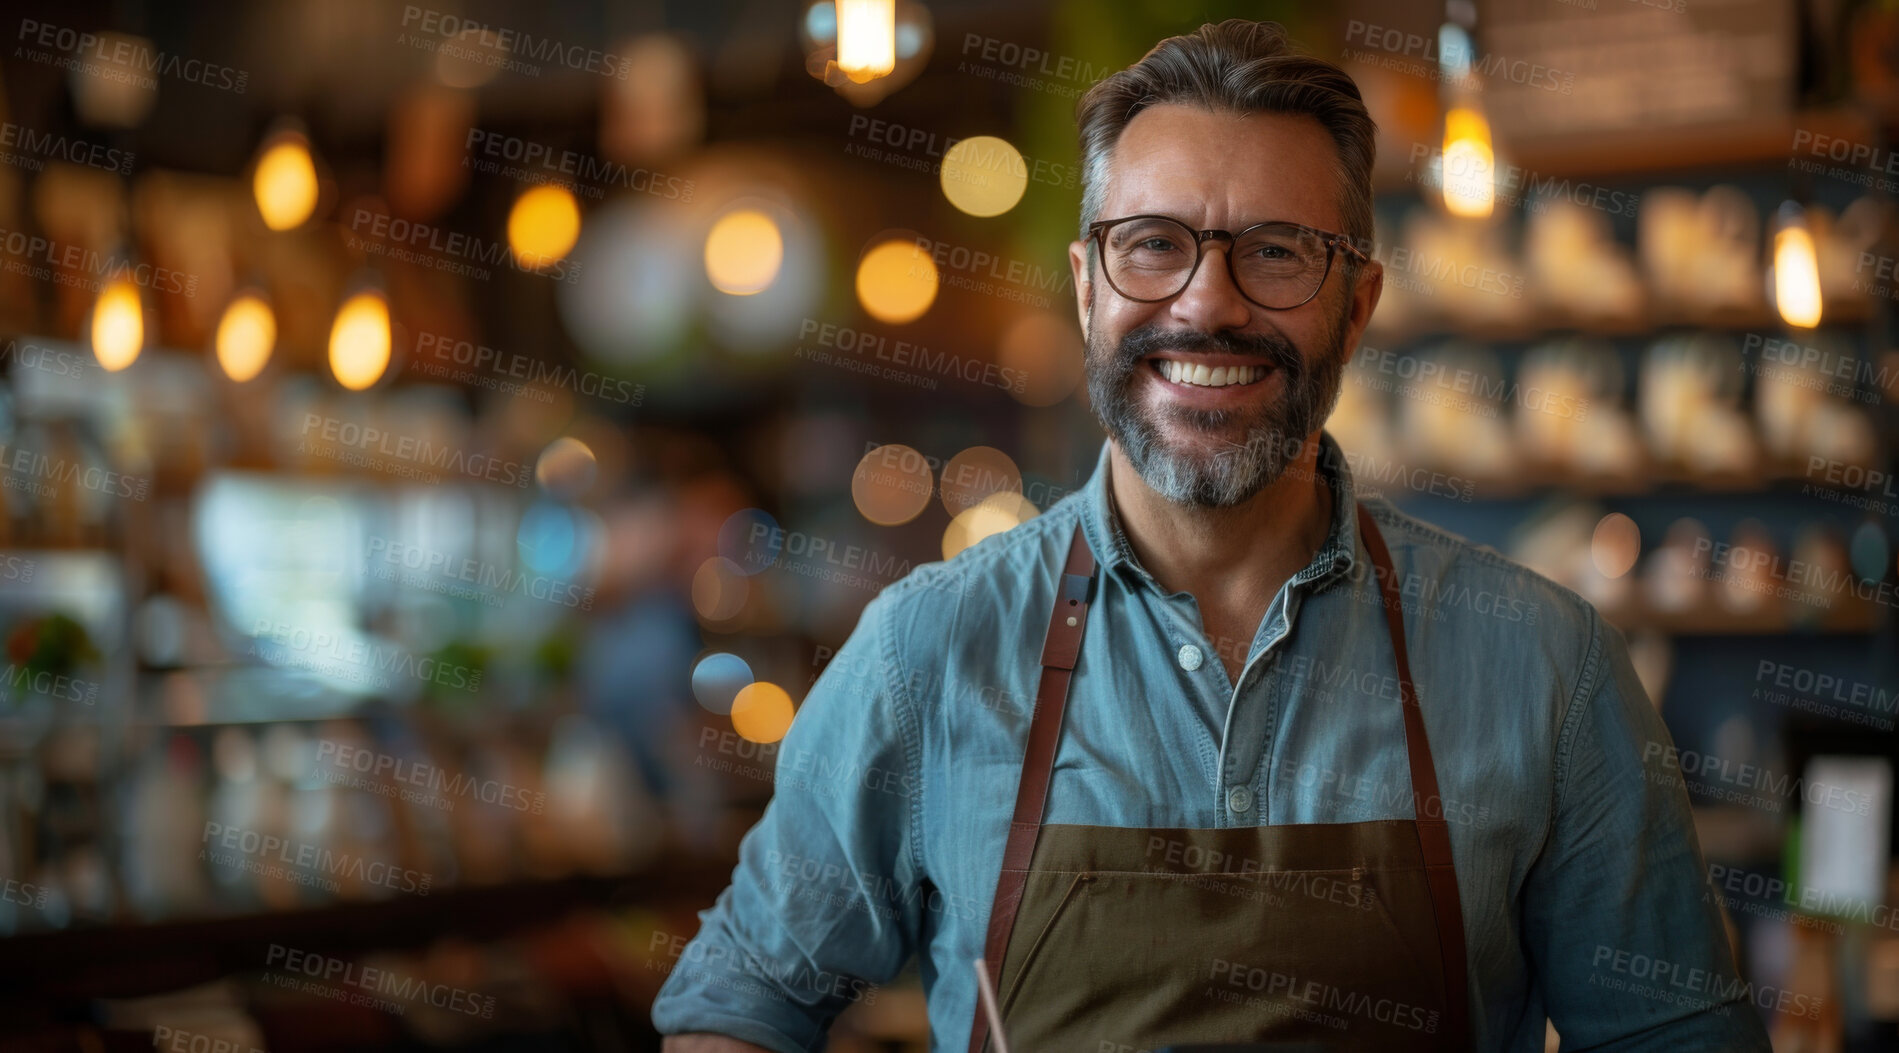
pixel 1628 943
pixel 825 901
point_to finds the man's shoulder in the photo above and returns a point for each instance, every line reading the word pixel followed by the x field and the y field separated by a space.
pixel 994 577
pixel 1464 583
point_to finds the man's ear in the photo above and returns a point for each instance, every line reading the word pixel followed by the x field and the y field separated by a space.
pixel 1365 293
pixel 1084 288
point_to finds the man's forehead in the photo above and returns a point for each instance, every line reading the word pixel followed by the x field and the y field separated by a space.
pixel 1219 167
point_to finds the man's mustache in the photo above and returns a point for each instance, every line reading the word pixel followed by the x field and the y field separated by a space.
pixel 1277 351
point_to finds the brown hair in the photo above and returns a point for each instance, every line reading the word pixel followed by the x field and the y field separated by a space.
pixel 1244 67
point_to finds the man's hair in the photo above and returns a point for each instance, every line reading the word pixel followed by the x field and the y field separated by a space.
pixel 1244 67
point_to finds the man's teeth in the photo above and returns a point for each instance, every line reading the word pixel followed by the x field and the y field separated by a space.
pixel 1200 376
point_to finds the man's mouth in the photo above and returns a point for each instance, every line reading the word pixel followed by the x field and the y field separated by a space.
pixel 1188 373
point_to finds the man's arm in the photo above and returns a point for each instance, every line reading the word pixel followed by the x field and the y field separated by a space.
pixel 1628 942
pixel 823 902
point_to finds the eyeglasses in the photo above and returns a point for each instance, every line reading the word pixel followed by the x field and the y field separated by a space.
pixel 1276 264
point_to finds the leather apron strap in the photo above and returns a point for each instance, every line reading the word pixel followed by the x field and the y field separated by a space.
pixel 1434 835
pixel 1060 650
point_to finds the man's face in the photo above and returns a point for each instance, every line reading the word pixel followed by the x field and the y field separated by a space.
pixel 1218 446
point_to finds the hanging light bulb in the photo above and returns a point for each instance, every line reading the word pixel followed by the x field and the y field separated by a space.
pixel 118 325
pixel 1796 269
pixel 1469 187
pixel 1469 162
pixel 543 226
pixel 285 181
pixel 359 341
pixel 246 334
pixel 866 38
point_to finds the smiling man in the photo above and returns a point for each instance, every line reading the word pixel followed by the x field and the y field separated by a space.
pixel 1219 749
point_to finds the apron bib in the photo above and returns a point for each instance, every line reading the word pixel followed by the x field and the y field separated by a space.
pixel 1105 939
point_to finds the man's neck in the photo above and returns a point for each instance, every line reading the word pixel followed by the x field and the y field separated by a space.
pixel 1230 558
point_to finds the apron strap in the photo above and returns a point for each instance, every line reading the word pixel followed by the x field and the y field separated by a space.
pixel 1060 649
pixel 1434 837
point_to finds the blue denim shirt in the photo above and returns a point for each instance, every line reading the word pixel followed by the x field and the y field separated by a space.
pixel 1584 894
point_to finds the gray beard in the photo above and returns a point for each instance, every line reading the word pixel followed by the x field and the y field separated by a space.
pixel 1234 472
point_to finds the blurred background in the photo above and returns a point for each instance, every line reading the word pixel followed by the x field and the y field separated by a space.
pixel 441 442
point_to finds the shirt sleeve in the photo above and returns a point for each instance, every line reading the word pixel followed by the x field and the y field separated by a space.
pixel 1625 933
pixel 824 902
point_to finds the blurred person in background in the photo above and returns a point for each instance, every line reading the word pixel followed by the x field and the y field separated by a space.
pixel 1416 787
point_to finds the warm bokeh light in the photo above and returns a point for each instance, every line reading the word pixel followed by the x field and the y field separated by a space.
pixel 1616 545
pixel 719 590
pixel 993 515
pixel 543 226
pixel 285 183
pixel 975 474
pixel 246 334
pixel 743 252
pixel 1796 276
pixel 1043 353
pixel 866 38
pixel 891 485
pixel 1469 164
pixel 566 468
pixel 984 175
pixel 761 711
pixel 359 341
pixel 118 325
pixel 896 281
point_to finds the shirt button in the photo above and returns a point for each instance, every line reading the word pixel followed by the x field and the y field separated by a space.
pixel 1190 657
pixel 1239 798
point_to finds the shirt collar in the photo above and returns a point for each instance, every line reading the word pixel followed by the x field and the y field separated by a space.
pixel 1102 527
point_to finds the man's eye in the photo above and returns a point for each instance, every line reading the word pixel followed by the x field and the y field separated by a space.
pixel 1155 244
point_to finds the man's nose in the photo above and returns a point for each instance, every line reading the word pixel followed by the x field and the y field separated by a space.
pixel 1211 302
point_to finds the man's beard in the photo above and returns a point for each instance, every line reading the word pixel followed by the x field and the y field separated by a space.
pixel 1236 471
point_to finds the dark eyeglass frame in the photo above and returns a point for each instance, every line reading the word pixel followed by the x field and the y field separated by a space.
pixel 1098 233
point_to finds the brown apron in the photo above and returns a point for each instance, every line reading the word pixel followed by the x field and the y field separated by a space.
pixel 1347 936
